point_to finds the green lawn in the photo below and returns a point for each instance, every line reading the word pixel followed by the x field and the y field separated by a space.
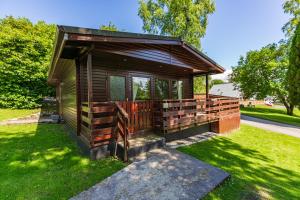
pixel 273 114
pixel 42 162
pixel 262 164
pixel 11 113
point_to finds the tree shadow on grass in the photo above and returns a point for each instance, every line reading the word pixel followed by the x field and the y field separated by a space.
pixel 253 174
pixel 40 161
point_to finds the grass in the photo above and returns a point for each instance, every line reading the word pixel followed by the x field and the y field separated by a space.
pixel 262 164
pixel 273 114
pixel 42 162
pixel 14 113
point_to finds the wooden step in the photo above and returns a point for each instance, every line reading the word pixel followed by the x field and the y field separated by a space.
pixel 141 144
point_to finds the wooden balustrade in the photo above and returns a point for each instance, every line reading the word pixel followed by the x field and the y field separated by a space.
pixel 122 130
pixel 140 114
pixel 102 122
pixel 176 115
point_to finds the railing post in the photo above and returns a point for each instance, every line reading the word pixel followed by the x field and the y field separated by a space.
pixel 125 140
pixel 206 86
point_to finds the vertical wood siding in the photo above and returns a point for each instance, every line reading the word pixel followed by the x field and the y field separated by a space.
pixel 68 93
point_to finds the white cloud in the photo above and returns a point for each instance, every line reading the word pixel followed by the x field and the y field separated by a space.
pixel 224 76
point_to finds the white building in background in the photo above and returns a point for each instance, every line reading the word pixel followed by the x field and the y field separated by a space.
pixel 226 89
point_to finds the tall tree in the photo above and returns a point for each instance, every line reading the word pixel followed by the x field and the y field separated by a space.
pixel 109 27
pixel 291 7
pixel 264 72
pixel 294 68
pixel 24 60
pixel 186 19
pixel 181 18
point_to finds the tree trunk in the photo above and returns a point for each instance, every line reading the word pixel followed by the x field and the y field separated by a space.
pixel 289 106
pixel 290 110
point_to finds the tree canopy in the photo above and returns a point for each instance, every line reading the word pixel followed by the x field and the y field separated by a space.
pixel 294 68
pixel 291 7
pixel 187 19
pixel 24 60
pixel 109 27
pixel 264 72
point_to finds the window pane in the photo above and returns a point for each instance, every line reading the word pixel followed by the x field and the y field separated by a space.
pixel 177 89
pixel 161 89
pixel 141 88
pixel 117 88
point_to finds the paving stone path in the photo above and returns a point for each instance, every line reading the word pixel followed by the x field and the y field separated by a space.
pixel 271 126
pixel 190 140
pixel 33 118
pixel 164 174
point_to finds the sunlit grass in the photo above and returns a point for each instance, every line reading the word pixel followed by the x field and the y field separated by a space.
pixel 15 113
pixel 262 164
pixel 42 162
pixel 273 114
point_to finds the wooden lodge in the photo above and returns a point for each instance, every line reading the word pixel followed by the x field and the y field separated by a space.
pixel 113 86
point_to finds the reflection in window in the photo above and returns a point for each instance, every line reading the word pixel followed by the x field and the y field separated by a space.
pixel 161 89
pixel 177 89
pixel 117 88
pixel 141 88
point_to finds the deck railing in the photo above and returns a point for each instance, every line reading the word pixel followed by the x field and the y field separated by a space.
pixel 175 115
pixel 104 122
pixel 140 114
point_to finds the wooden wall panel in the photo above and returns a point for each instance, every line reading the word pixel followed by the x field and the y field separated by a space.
pixel 99 84
pixel 83 80
pixel 102 68
pixel 68 93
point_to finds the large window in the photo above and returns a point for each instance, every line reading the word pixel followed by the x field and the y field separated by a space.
pixel 177 89
pixel 117 88
pixel 161 89
pixel 141 88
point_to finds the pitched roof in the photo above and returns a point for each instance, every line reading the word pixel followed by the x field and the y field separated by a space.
pixel 71 33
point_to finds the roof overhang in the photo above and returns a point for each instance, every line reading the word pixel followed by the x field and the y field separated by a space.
pixel 86 37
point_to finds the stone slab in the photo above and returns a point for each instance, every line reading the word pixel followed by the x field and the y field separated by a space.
pixel 164 174
pixel 190 140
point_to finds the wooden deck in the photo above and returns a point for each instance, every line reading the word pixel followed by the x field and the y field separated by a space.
pixel 104 123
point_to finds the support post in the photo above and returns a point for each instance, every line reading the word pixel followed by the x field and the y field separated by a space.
pixel 89 79
pixel 90 92
pixel 78 96
pixel 206 86
pixel 192 86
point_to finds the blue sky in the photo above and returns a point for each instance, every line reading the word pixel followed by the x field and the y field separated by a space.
pixel 236 27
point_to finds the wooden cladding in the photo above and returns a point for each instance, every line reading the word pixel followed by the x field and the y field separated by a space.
pixel 67 94
pixel 102 70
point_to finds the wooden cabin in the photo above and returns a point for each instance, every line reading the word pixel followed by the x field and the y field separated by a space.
pixel 112 86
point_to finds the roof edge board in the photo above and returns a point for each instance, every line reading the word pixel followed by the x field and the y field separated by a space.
pixel 60 41
pixel 203 57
